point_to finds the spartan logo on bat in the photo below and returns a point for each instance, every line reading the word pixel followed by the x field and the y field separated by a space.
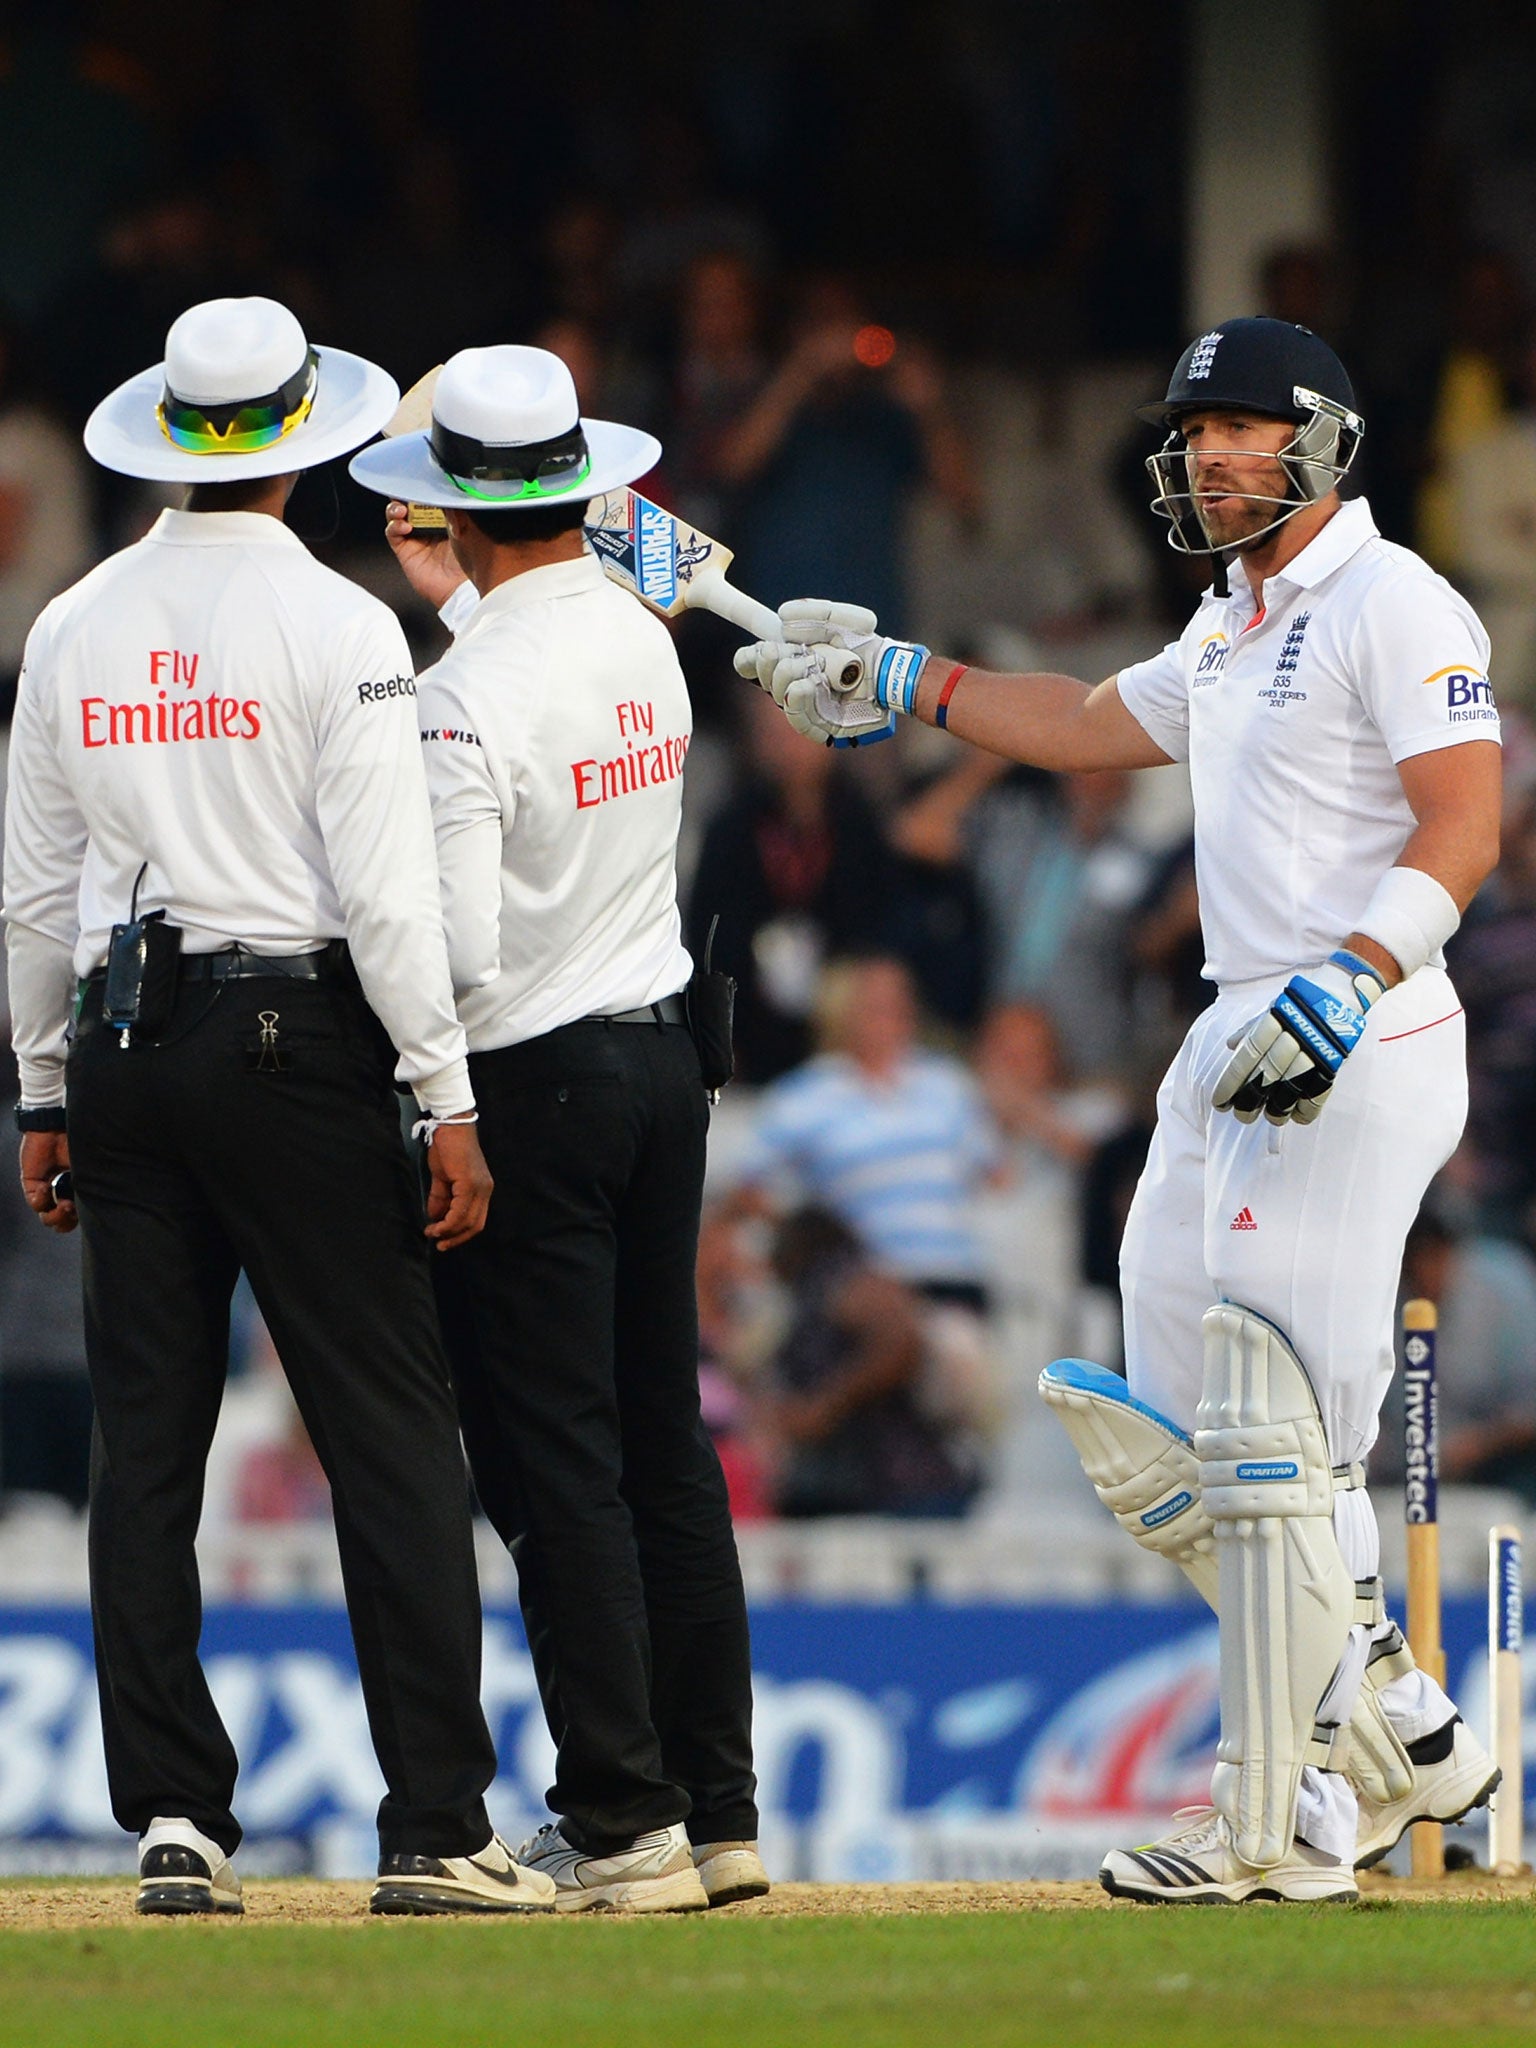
pixel 692 554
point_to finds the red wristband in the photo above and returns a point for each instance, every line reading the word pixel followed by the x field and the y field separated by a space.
pixel 941 709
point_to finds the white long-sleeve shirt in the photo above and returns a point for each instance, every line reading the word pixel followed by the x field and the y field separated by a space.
pixel 554 732
pixel 215 703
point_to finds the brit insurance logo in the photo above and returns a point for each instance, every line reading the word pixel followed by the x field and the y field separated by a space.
pixel 1213 659
pixel 1468 695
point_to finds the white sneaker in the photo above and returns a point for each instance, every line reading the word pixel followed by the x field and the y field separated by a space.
pixel 1196 1865
pixel 181 1870
pixel 655 1874
pixel 730 1871
pixel 490 1881
pixel 1452 1773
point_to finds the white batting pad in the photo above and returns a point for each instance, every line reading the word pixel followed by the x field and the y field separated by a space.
pixel 1141 1466
pixel 1144 1470
pixel 1286 1597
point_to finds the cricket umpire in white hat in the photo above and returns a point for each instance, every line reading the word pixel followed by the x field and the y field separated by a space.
pixel 224 944
pixel 555 731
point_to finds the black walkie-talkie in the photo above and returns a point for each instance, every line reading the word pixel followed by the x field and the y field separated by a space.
pixel 711 998
pixel 142 961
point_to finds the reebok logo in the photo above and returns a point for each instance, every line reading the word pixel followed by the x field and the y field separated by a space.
pixel 387 686
pixel 1243 1220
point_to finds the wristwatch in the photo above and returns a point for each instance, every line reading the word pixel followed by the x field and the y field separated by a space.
pixel 50 1119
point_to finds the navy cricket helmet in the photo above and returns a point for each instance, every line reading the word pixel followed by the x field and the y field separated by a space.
pixel 1256 364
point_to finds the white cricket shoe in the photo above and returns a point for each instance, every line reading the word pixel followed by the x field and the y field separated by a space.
pixel 654 1874
pixel 1452 1773
pixel 730 1871
pixel 1196 1865
pixel 490 1881
pixel 182 1870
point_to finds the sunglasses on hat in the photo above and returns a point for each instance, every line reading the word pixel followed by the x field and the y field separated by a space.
pixel 242 428
pixel 540 469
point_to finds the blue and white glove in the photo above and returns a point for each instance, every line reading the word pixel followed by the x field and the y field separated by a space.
pixel 856 706
pixel 1285 1062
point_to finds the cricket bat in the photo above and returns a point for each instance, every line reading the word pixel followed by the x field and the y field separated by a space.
pixel 666 563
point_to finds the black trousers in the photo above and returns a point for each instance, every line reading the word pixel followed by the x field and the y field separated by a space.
pixel 189 1165
pixel 572 1326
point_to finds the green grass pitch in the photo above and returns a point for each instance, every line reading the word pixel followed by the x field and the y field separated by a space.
pixel 1380 1972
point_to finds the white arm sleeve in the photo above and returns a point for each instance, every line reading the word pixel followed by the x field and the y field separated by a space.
pixel 1157 697
pixel 371 801
pixel 1422 659
pixel 42 979
pixel 45 842
pixel 469 823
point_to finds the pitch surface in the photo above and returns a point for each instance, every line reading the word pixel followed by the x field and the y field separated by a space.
pixel 960 1966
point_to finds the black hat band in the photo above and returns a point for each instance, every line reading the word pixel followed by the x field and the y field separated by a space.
pixel 539 467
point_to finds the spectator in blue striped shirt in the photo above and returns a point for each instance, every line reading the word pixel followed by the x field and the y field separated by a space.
pixel 894 1138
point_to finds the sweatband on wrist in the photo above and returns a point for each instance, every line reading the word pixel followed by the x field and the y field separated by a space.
pixel 896 678
pixel 48 1116
pixel 941 709
pixel 1411 916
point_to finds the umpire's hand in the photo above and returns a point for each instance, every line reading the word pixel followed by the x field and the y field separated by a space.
pixel 461 1186
pixel 43 1155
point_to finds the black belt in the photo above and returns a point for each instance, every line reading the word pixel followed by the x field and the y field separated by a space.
pixel 670 1010
pixel 236 964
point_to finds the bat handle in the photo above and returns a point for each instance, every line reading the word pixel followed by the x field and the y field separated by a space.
pixel 722 597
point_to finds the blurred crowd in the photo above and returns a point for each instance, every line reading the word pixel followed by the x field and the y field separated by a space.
pixel 959 981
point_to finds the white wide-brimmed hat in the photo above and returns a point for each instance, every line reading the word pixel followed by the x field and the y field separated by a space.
pixel 241 393
pixel 504 434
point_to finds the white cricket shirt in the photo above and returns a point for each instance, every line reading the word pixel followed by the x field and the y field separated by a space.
pixel 1293 717
pixel 214 702
pixel 554 732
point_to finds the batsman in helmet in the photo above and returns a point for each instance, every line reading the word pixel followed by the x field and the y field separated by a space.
pixel 1331 698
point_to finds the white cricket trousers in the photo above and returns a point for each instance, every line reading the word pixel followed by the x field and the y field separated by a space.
pixel 1303 1223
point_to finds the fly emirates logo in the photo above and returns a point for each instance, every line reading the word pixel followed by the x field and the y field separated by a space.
pixel 173 710
pixel 645 763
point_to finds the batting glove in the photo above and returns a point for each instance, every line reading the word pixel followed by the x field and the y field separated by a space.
pixel 1286 1061
pixel 835 631
pixel 879 670
pixel 835 678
